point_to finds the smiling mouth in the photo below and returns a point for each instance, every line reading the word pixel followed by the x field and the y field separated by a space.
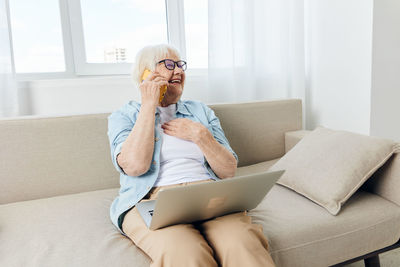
pixel 175 81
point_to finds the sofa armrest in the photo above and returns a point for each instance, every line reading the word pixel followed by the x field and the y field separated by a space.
pixel 385 182
pixel 293 137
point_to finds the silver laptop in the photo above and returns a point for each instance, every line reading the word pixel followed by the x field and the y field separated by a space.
pixel 202 201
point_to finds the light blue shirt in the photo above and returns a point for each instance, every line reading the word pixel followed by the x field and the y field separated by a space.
pixel 120 124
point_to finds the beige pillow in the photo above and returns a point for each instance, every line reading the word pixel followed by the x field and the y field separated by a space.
pixel 328 166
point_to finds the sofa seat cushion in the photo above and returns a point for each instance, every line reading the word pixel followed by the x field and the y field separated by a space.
pixel 69 230
pixel 302 233
pixel 259 167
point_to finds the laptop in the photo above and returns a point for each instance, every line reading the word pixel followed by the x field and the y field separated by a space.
pixel 202 201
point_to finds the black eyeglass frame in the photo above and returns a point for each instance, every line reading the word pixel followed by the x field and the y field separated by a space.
pixel 183 66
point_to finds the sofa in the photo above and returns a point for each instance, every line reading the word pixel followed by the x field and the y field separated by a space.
pixel 57 183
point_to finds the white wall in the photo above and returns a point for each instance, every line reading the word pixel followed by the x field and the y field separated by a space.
pixel 74 96
pixel 89 95
pixel 339 42
pixel 385 96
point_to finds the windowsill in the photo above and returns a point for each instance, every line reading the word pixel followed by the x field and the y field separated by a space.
pixel 68 77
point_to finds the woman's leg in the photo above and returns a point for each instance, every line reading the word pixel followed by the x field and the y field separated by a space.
pixel 173 246
pixel 236 241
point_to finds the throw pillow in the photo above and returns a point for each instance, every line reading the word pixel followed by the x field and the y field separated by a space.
pixel 328 166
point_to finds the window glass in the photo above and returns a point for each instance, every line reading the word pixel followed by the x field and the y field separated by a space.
pixel 114 30
pixel 37 36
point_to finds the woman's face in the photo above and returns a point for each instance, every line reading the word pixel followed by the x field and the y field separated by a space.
pixel 176 81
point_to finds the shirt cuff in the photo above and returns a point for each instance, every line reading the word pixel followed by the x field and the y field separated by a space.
pixel 116 152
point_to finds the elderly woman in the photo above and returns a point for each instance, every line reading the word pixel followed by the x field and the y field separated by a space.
pixel 175 143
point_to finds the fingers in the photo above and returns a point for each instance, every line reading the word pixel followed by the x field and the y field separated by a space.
pixel 175 121
pixel 172 133
pixel 155 76
pixel 169 130
pixel 160 79
pixel 174 125
pixel 155 80
pixel 169 127
pixel 161 83
pixel 166 126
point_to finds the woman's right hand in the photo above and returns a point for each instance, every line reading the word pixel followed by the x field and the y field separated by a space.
pixel 150 89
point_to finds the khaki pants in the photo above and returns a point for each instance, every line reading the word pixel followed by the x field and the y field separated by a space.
pixel 230 240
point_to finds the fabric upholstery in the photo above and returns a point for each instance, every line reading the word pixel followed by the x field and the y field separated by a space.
pixel 64 231
pixel 262 137
pixel 302 233
pixel 259 167
pixel 386 181
pixel 293 137
pixel 45 157
pixel 328 166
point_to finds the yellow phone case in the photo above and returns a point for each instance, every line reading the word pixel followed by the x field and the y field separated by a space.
pixel 163 89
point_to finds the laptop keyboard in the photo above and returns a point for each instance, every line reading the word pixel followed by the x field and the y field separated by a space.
pixel 151 212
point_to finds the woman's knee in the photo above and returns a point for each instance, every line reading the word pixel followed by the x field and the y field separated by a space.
pixel 235 232
pixel 187 251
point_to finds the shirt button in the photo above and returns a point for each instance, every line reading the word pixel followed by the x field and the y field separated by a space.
pixel 154 162
pixel 156 139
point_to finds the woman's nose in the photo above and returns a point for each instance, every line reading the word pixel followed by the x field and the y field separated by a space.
pixel 178 70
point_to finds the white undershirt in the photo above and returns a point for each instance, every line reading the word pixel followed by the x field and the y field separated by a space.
pixel 181 161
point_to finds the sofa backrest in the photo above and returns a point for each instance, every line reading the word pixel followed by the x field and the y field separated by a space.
pixel 256 130
pixel 45 157
pixel 385 182
pixel 51 156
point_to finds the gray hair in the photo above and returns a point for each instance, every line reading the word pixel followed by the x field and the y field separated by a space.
pixel 148 56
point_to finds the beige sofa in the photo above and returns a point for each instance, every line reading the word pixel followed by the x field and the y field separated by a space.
pixel 57 183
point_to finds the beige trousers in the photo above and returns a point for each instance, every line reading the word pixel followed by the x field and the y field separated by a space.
pixel 230 240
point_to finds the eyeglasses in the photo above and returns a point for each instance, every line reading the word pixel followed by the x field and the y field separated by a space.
pixel 170 64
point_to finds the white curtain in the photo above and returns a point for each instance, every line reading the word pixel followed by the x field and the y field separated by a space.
pixel 256 50
pixel 8 84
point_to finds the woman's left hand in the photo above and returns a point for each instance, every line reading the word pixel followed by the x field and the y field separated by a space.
pixel 185 129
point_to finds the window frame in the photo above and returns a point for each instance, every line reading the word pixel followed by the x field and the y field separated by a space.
pixel 74 45
pixel 78 46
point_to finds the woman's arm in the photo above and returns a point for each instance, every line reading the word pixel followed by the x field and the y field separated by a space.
pixel 221 160
pixel 137 151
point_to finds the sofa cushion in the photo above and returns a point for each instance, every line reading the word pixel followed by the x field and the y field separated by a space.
pixel 256 130
pixel 301 233
pixel 70 230
pixel 48 156
pixel 255 168
pixel 386 181
pixel 328 166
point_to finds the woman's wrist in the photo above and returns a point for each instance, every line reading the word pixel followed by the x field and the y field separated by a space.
pixel 148 108
pixel 202 136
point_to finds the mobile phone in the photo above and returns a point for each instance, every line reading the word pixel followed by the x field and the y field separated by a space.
pixel 163 89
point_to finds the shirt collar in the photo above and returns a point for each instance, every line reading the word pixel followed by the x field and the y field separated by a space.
pixel 180 107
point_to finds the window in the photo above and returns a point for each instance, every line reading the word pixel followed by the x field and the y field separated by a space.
pixel 130 26
pixel 69 38
pixel 37 40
